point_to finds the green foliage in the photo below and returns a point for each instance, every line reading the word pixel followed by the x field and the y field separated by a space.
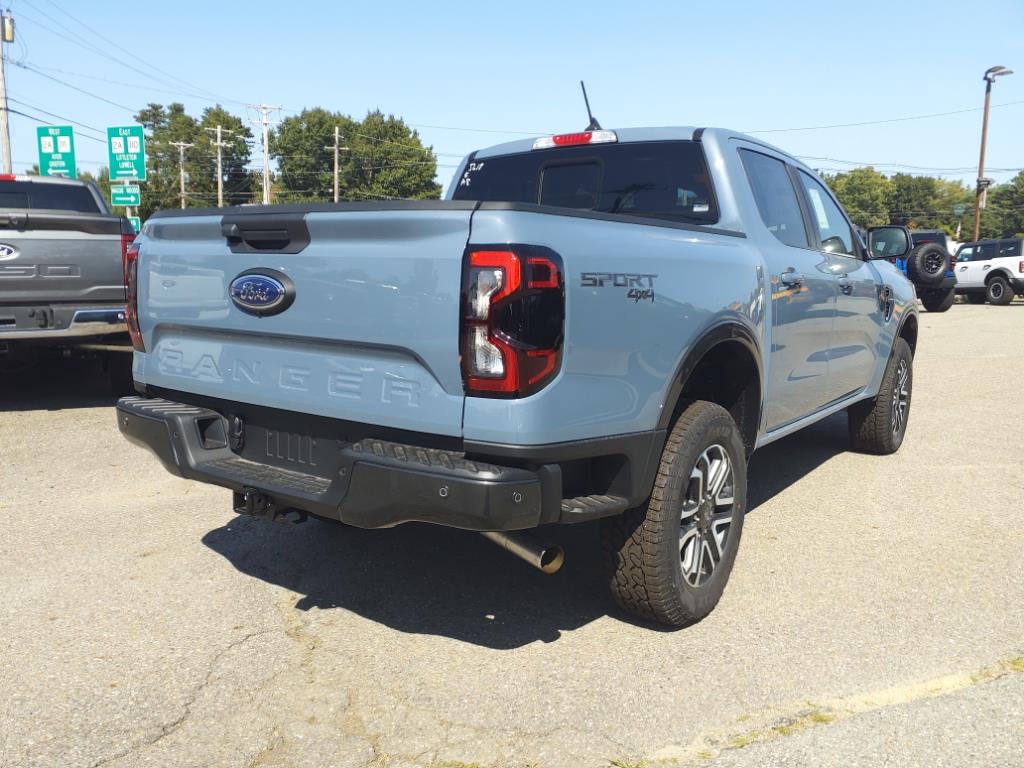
pixel 920 202
pixel 384 158
pixel 165 125
pixel 865 194
pixel 1004 212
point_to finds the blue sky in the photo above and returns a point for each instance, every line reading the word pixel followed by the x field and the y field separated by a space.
pixel 497 71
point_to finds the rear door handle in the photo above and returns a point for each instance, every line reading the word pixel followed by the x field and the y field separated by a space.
pixel 791 277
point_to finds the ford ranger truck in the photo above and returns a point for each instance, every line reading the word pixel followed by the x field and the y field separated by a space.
pixel 61 271
pixel 601 325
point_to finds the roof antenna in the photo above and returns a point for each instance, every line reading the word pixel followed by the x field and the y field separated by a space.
pixel 594 125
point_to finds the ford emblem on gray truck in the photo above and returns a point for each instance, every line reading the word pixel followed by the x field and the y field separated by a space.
pixel 595 326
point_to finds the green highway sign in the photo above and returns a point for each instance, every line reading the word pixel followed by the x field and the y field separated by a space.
pixel 126 148
pixel 56 144
pixel 959 209
pixel 125 194
pixel 136 223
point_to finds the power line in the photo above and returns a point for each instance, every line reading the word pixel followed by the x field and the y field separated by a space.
pixel 881 122
pixel 43 121
pixel 51 114
pixel 32 69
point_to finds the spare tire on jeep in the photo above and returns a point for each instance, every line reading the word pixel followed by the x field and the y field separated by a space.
pixel 927 264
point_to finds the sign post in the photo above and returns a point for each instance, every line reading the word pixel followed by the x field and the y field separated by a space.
pixel 56 145
pixel 126 150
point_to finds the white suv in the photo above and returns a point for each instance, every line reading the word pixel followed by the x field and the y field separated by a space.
pixel 990 270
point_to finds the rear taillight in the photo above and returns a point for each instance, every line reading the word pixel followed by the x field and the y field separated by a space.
pixel 1020 267
pixel 513 316
pixel 575 139
pixel 126 243
pixel 131 291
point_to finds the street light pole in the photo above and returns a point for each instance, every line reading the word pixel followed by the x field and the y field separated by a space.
pixel 979 194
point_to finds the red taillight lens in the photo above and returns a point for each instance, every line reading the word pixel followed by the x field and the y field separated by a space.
pixel 126 243
pixel 131 290
pixel 575 139
pixel 513 311
pixel 1020 267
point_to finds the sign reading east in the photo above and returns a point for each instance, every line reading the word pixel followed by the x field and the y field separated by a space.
pixel 126 149
pixel 56 145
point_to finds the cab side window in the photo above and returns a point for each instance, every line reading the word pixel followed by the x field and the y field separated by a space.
pixel 833 228
pixel 984 252
pixel 965 253
pixel 1009 248
pixel 775 197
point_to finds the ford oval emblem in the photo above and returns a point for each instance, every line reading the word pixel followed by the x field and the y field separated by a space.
pixel 7 252
pixel 262 292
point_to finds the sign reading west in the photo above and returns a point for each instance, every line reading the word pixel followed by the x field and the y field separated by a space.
pixel 56 144
pixel 126 150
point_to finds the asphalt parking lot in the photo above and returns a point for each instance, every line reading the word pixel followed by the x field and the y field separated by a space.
pixel 875 615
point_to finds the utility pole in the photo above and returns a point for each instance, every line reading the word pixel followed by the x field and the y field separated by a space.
pixel 182 146
pixel 983 184
pixel 220 173
pixel 336 148
pixel 6 36
pixel 264 122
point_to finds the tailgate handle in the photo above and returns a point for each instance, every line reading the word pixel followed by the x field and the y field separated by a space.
pixel 276 232
pixel 261 239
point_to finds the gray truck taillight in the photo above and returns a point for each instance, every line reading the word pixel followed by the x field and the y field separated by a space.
pixel 131 291
pixel 1020 267
pixel 513 318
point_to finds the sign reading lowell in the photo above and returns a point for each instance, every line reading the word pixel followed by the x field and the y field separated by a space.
pixel 126 147
pixel 56 144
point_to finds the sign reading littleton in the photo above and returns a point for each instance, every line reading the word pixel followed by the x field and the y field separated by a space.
pixel 126 147
pixel 56 145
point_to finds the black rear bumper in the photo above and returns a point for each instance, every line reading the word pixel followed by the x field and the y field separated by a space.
pixel 373 483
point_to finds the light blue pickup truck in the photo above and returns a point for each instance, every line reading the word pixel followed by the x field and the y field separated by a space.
pixel 595 325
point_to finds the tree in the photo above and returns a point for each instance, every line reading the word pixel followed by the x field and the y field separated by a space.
pixel 1004 214
pixel 163 126
pixel 384 158
pixel 864 193
pixel 202 167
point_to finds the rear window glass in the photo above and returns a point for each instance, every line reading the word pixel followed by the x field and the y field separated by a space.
pixel 656 179
pixel 1009 248
pixel 52 197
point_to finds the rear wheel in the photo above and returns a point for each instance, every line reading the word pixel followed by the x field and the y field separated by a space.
pixel 938 301
pixel 879 425
pixel 670 560
pixel 998 291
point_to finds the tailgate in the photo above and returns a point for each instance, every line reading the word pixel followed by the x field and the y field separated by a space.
pixel 57 258
pixel 371 336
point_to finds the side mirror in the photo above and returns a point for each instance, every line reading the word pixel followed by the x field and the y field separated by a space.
pixel 888 242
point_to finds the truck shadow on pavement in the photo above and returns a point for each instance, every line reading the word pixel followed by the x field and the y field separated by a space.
pixel 424 579
pixel 53 384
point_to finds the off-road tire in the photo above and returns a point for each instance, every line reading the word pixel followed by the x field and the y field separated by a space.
pixel 975 297
pixel 871 422
pixel 642 548
pixel 938 301
pixel 927 264
pixel 998 291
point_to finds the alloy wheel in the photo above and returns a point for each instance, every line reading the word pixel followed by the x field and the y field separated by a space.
pixel 900 397
pixel 706 515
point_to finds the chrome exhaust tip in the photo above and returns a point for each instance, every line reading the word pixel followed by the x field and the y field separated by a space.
pixel 547 558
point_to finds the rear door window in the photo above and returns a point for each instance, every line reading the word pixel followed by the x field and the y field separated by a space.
pixel 984 252
pixel 49 197
pixel 655 179
pixel 775 197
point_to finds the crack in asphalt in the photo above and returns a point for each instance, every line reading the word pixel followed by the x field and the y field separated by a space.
pixel 707 747
pixel 169 728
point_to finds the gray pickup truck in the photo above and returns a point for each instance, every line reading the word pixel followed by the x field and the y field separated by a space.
pixel 594 326
pixel 61 269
